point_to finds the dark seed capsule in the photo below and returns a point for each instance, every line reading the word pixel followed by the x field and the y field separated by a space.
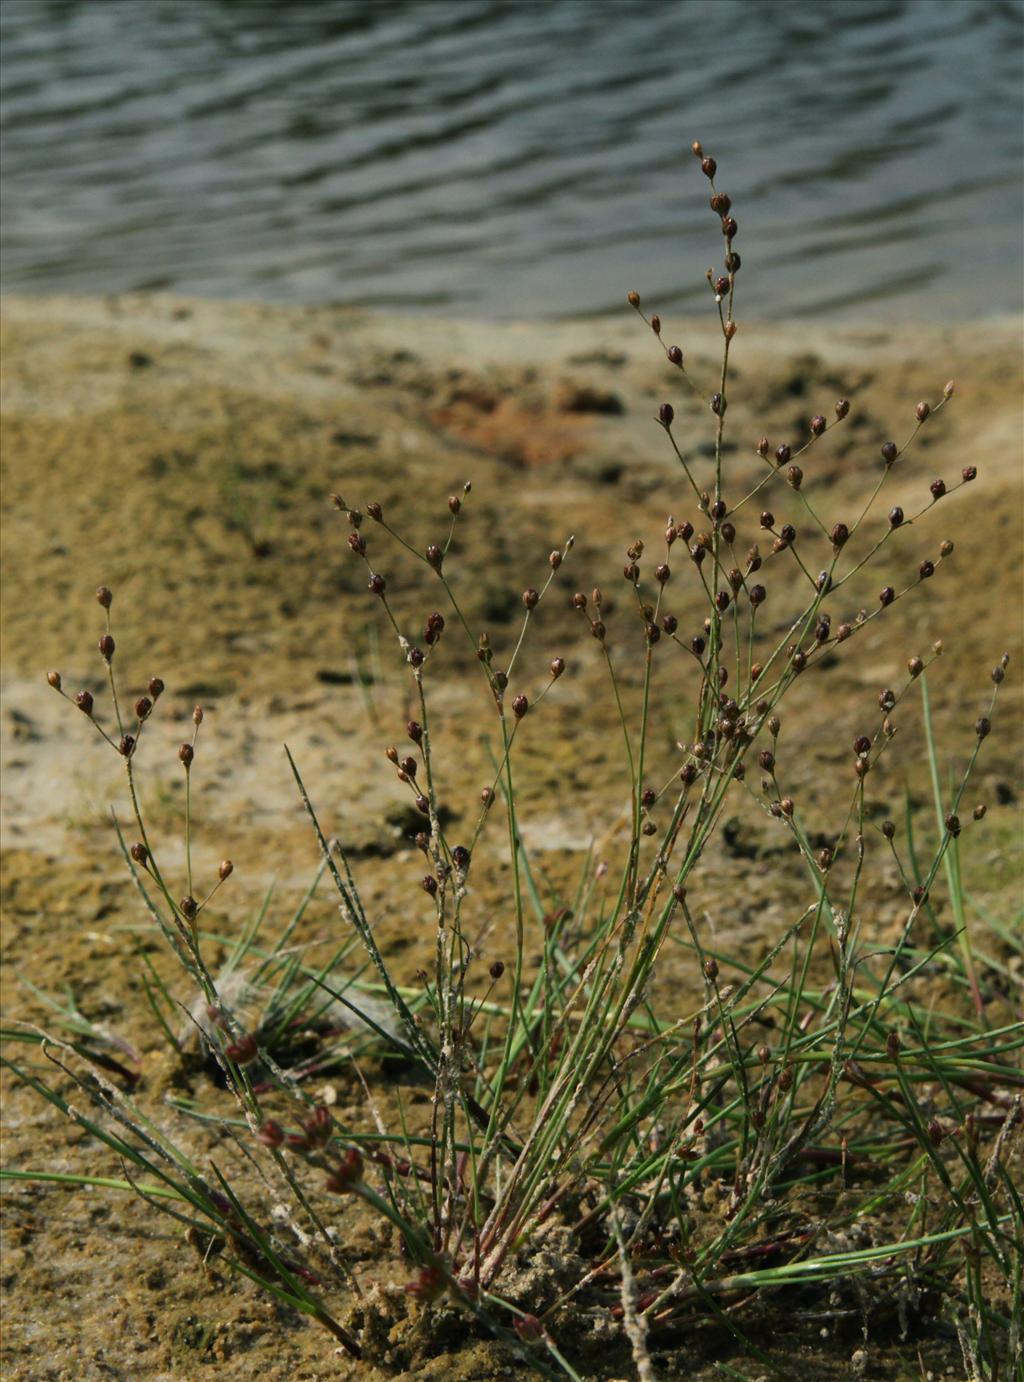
pixel 697 553
pixel 225 870
pixel 697 644
pixel 888 829
pixel 721 203
pixel 189 907
pixel 969 473
pixel 84 702
pixel 555 560
pixel 454 503
pixel 818 425
pixel 915 666
pixel 886 596
pixel 357 543
pixel 763 446
pixel 842 408
pixel 675 356
pixel 435 557
pixel 729 533
pixel 662 573
pixel 633 298
pixel 655 323
pixel 997 674
pixel 416 657
pixel 530 598
pixel 938 488
pixel 140 854
pixel 684 531
pixel 711 968
pixel 758 595
pixel 429 884
pixel 862 744
pixel 186 753
pixel 127 746
pixel 721 286
pixel 497 970
pixel 782 454
pixel 557 667
pixel 892 1045
pixel 375 511
pixel 886 699
pixel 460 857
pixel 669 623
pixel 143 706
pixel 104 596
pixel 767 519
pixel 423 805
pixel 723 599
pixel 665 414
pixel 106 647
pixel 155 688
pixel 520 706
pixel 922 410
pixel 979 811
pixel 376 584
pixel 767 760
pixel 952 823
pixel 718 509
pixel 733 262
pixel 926 569
pixel 787 532
pixel 795 476
pixel 983 727
pixel 708 167
pixel 729 227
pixel 717 404
pixel 408 766
pixel 840 535
pixel 889 452
pixel 598 630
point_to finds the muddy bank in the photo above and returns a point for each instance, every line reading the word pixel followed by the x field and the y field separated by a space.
pixel 182 453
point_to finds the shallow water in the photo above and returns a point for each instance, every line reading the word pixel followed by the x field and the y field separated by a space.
pixel 486 158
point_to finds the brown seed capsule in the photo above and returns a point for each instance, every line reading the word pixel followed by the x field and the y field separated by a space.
pixel 722 600
pixel 675 356
pixel 733 262
pixel 729 533
pixel 787 806
pixel 788 533
pixel 143 706
pixel 969 473
pixel 271 1134
pixel 530 598
pixel 429 884
pixel 376 584
pixel 358 543
pixel 983 727
pixel 920 895
pixel 888 829
pixel 824 859
pixel 767 760
pixel 391 754
pixel 155 688
pixel 730 330
pixel 729 227
pixel 945 548
pixel 423 805
pixel 915 666
pixel 226 869
pixel 718 509
pixel 598 630
pixel 520 706
pixel 126 747
pixel 435 557
pixel 416 657
pixel 895 516
pixel 818 425
pixel 408 766
pixel 684 531
pixel 922 410
pixel 633 298
pixel 892 1045
pixel 454 503
pixel 655 323
pixel 980 810
pixel 886 699
pixel 767 519
pixel 718 404
pixel 889 452
pixel 662 573
pixel 843 632
pixel 763 446
pixel 54 679
pixel 721 203
pixel 926 569
pixel 782 454
pixel 104 596
pixel 188 907
pixel 840 535
pixel 556 667
pixel 140 854
pixel 708 167
pixel 665 414
pixel 936 1134
pixel 886 596
pixel 697 644
pixel 186 753
pixel 106 646
pixel 795 476
pixel 710 969
pixel 952 824
pixel 697 552
pixel 721 287
pixel 197 715
pixel 669 623
pixel 375 511
pixel 842 408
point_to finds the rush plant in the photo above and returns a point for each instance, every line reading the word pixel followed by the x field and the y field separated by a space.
pixel 600 1158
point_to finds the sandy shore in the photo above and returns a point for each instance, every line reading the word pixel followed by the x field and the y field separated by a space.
pixel 182 453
